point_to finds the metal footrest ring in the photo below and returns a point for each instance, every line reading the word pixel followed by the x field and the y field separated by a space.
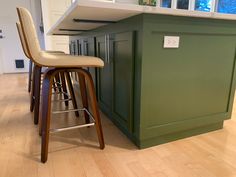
pixel 92 121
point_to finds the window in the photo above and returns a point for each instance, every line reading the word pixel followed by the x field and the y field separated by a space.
pixel 166 3
pixel 227 6
pixel 182 4
pixel 203 5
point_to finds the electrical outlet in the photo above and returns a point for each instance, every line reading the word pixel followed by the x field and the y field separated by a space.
pixel 171 41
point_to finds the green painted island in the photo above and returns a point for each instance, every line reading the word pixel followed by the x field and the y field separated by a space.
pixel 156 94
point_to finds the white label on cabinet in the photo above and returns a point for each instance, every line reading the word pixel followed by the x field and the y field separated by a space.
pixel 171 41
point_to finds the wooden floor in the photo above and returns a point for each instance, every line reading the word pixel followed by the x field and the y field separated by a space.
pixel 76 154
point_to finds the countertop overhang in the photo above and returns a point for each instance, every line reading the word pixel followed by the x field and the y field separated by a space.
pixel 86 15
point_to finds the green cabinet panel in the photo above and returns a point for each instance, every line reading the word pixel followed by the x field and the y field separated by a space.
pixel 79 48
pixel 122 56
pixel 72 47
pixel 185 79
pixel 89 50
pixel 115 80
pixel 189 87
pixel 104 76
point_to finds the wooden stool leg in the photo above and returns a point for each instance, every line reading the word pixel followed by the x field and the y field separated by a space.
pixel 55 85
pixel 63 82
pixel 72 94
pixel 30 76
pixel 37 86
pixel 40 125
pixel 58 81
pixel 94 107
pixel 46 114
pixel 84 97
pixel 32 96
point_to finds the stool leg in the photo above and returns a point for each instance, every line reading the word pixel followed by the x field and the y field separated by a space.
pixel 32 96
pixel 84 97
pixel 37 86
pixel 57 78
pixel 94 107
pixel 72 94
pixel 30 75
pixel 46 114
pixel 63 82
pixel 55 85
pixel 40 125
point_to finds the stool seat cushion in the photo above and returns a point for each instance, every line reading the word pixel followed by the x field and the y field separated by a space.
pixel 65 60
pixel 46 59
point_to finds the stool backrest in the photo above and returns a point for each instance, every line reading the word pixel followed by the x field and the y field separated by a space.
pixel 22 40
pixel 30 34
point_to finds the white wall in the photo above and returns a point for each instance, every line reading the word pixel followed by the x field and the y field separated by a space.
pixel 10 45
pixel 52 11
pixel 1 68
pixel 36 10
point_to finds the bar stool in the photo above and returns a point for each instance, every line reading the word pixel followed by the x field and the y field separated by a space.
pixel 59 81
pixel 61 63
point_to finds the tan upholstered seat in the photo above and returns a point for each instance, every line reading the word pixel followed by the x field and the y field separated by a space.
pixel 57 60
pixel 24 45
pixel 26 52
pixel 46 59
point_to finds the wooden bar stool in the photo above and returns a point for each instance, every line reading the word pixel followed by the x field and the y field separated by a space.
pixel 59 81
pixel 57 64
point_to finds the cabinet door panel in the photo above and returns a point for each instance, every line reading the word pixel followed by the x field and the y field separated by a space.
pixel 79 47
pixel 89 50
pixel 72 48
pixel 122 57
pixel 104 77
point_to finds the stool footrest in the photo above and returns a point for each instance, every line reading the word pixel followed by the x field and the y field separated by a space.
pixel 74 110
pixel 92 120
pixel 68 110
pixel 58 86
pixel 57 83
pixel 54 93
pixel 72 127
pixel 62 100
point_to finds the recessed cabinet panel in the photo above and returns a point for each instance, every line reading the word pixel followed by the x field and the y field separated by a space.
pixel 115 80
pixel 123 78
pixel 72 48
pixel 104 76
pixel 89 50
pixel 79 50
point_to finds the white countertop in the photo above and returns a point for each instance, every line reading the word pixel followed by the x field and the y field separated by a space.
pixel 91 14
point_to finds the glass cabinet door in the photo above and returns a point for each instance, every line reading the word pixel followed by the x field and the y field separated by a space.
pixel 183 4
pixel 203 5
pixel 227 6
pixel 166 3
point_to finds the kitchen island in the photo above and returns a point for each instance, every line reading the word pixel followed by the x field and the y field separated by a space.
pixel 168 74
